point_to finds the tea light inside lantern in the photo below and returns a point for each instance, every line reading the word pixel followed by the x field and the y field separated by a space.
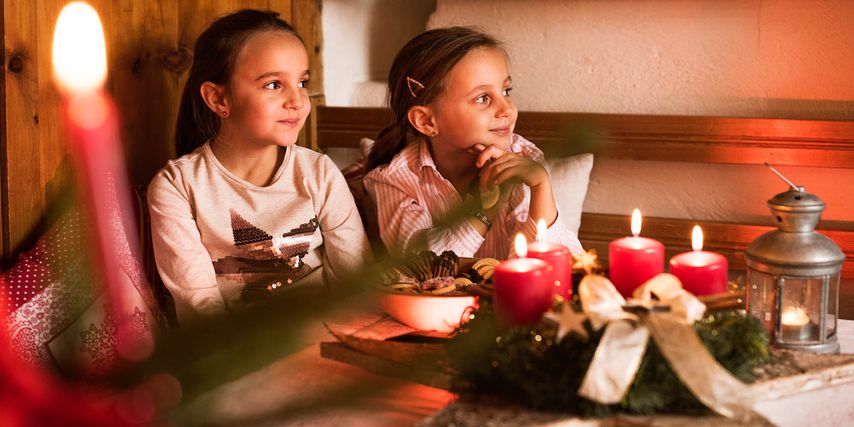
pixel 796 324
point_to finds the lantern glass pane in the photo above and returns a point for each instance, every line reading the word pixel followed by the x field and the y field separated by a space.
pixel 761 296
pixel 832 305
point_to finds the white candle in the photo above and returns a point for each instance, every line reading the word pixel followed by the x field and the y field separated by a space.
pixel 795 324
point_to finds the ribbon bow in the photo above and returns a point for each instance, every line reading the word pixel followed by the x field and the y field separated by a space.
pixel 670 322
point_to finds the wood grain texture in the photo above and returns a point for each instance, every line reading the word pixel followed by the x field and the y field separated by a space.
pixel 641 137
pixel 30 141
pixel 307 21
pixel 4 199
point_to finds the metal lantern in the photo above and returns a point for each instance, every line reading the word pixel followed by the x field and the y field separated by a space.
pixel 793 275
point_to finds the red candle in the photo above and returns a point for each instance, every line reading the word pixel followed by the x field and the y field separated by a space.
pixel 523 288
pixel 701 272
pixel 558 257
pixel 91 118
pixel 634 260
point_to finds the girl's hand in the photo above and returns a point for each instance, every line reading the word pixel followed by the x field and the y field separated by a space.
pixel 500 167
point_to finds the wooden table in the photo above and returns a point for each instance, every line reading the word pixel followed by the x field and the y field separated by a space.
pixel 273 395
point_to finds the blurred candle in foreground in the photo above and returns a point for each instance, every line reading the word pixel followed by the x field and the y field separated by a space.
pixel 557 256
pixel 523 288
pixel 634 260
pixel 91 119
pixel 701 272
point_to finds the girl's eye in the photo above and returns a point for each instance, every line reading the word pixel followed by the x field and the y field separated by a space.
pixel 483 99
pixel 303 84
pixel 506 92
pixel 273 85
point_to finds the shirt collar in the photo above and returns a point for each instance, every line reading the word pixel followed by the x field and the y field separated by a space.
pixel 425 157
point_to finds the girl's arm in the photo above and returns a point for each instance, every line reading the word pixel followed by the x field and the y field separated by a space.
pixel 346 247
pixel 183 262
pixel 507 167
pixel 405 224
pixel 529 166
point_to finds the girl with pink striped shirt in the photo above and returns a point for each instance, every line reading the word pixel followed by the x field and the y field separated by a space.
pixel 451 148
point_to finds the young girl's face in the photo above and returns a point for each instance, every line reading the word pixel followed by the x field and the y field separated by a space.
pixel 476 107
pixel 267 92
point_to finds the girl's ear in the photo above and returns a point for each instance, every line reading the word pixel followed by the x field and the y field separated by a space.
pixel 422 119
pixel 214 96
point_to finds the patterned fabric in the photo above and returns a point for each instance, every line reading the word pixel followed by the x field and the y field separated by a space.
pixel 58 315
pixel 411 197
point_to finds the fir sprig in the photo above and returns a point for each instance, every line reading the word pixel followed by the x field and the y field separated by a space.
pixel 527 363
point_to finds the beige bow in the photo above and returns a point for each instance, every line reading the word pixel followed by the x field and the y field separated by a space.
pixel 670 322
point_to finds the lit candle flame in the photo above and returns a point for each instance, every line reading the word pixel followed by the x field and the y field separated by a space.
pixel 521 246
pixel 541 229
pixel 79 50
pixel 794 317
pixel 697 238
pixel 636 222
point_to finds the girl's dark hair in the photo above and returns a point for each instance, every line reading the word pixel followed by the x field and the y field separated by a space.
pixel 214 57
pixel 428 58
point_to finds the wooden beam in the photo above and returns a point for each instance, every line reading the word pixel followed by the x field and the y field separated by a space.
pixel 815 143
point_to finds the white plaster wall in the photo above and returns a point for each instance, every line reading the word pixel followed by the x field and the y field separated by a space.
pixel 783 58
pixel 360 39
pixel 696 57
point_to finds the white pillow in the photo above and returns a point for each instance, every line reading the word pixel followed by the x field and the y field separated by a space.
pixel 570 176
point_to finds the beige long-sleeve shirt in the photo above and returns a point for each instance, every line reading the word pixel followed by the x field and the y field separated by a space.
pixel 222 244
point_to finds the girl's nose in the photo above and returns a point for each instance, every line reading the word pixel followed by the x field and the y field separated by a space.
pixel 505 107
pixel 294 99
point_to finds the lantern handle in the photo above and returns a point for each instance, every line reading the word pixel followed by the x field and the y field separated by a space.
pixel 791 184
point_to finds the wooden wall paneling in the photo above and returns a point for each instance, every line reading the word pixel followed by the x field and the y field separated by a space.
pixel 32 148
pixel 306 19
pixel 816 143
pixel 145 65
pixel 3 158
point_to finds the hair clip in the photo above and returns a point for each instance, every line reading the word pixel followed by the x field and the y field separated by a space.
pixel 409 82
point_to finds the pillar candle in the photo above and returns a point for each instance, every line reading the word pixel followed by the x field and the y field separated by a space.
pixel 558 257
pixel 91 120
pixel 701 272
pixel 523 288
pixel 634 260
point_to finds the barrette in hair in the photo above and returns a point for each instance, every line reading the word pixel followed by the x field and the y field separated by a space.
pixel 409 82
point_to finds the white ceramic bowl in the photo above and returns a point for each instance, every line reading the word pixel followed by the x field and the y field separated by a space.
pixel 427 312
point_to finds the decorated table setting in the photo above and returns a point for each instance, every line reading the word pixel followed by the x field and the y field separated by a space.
pixel 547 336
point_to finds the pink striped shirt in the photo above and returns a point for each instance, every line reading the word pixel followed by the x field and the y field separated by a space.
pixel 412 197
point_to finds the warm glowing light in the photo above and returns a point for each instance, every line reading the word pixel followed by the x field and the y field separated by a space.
pixel 521 246
pixel 541 229
pixel 697 238
pixel 636 222
pixel 794 317
pixel 79 50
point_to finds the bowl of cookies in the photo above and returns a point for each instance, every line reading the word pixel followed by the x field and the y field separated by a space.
pixel 431 292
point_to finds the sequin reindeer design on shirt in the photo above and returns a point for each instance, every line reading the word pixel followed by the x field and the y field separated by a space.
pixel 264 262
